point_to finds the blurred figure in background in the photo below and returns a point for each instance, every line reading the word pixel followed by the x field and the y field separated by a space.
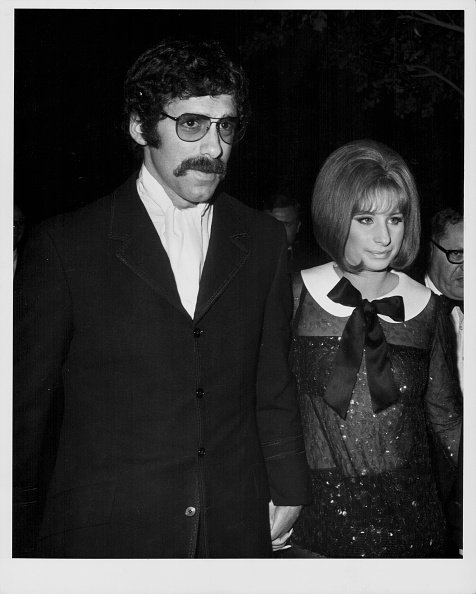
pixel 301 253
pixel 18 231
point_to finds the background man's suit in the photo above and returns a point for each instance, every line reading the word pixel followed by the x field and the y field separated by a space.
pixel 168 422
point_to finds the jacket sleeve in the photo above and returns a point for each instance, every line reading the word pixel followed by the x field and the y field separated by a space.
pixel 279 420
pixel 42 322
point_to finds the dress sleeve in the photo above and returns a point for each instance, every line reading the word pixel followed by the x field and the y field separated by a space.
pixel 443 400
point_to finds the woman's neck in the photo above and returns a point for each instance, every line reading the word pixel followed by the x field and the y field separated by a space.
pixel 372 285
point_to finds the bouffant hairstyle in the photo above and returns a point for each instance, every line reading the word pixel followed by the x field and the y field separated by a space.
pixel 351 180
pixel 180 69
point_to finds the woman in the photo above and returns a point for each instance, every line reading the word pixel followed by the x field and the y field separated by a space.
pixel 369 368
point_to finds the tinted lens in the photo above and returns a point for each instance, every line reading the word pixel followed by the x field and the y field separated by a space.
pixel 227 128
pixel 191 126
pixel 456 257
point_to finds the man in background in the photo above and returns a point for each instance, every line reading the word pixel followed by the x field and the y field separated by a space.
pixel 445 277
pixel 445 274
pixel 301 253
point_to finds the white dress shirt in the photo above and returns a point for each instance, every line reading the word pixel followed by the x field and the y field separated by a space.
pixel 184 233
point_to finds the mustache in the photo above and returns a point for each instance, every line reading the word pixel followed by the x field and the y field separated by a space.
pixel 201 164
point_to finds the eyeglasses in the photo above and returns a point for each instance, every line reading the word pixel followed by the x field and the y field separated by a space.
pixel 453 256
pixel 191 127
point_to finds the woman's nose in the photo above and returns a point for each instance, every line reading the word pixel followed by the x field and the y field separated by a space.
pixel 382 234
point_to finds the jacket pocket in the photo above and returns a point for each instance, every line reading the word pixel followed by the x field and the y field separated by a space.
pixel 88 505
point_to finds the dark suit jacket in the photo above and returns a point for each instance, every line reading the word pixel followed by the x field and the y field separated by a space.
pixel 448 478
pixel 133 422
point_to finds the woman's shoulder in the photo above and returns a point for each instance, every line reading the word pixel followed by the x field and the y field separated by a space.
pixel 319 281
pixel 416 296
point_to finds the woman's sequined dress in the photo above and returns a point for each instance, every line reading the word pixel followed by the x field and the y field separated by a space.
pixel 374 493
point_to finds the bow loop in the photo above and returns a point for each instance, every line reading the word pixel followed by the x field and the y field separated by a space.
pixel 363 329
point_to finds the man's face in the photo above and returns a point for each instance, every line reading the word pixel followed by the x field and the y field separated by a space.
pixel 448 278
pixel 187 185
pixel 289 217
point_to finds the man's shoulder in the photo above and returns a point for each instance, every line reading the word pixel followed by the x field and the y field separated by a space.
pixel 249 215
pixel 96 214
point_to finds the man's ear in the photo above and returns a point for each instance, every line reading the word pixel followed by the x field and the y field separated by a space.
pixel 135 130
pixel 430 251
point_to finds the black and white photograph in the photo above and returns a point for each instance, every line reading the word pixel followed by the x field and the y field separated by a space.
pixel 234 307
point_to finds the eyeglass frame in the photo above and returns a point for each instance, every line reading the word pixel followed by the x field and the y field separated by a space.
pixel 241 123
pixel 448 252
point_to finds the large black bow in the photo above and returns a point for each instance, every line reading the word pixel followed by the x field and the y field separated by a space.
pixel 363 328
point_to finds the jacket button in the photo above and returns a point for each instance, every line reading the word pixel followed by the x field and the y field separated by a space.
pixel 190 511
pixel 200 393
pixel 197 332
pixel 201 452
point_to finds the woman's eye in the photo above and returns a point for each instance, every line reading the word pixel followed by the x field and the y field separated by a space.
pixel 395 220
pixel 364 220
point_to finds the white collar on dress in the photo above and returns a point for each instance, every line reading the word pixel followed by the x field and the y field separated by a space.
pixel 431 285
pixel 321 279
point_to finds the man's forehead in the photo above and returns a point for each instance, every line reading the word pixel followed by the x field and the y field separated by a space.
pixel 215 106
pixel 454 233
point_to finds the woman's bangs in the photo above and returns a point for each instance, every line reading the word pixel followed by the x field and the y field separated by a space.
pixel 383 199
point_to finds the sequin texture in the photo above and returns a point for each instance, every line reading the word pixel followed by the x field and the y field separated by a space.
pixel 373 488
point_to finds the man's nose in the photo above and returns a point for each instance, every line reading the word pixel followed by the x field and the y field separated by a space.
pixel 211 142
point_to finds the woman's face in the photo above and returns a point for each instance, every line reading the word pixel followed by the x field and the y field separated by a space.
pixel 376 233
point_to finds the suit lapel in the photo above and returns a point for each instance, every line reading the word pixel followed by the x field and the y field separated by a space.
pixel 137 245
pixel 227 252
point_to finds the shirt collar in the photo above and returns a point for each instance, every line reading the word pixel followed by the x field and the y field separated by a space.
pixel 429 283
pixel 155 192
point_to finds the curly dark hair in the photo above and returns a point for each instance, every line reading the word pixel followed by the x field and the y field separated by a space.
pixel 180 69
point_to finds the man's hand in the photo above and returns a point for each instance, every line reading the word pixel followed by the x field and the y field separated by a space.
pixel 281 520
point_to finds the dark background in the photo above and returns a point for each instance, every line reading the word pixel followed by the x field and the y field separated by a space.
pixel 318 80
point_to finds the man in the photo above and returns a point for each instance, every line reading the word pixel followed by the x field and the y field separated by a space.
pixel 445 277
pixel 301 254
pixel 445 273
pixel 152 336
pixel 285 210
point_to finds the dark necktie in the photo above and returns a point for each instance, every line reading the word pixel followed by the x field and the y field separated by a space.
pixel 363 329
pixel 450 304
